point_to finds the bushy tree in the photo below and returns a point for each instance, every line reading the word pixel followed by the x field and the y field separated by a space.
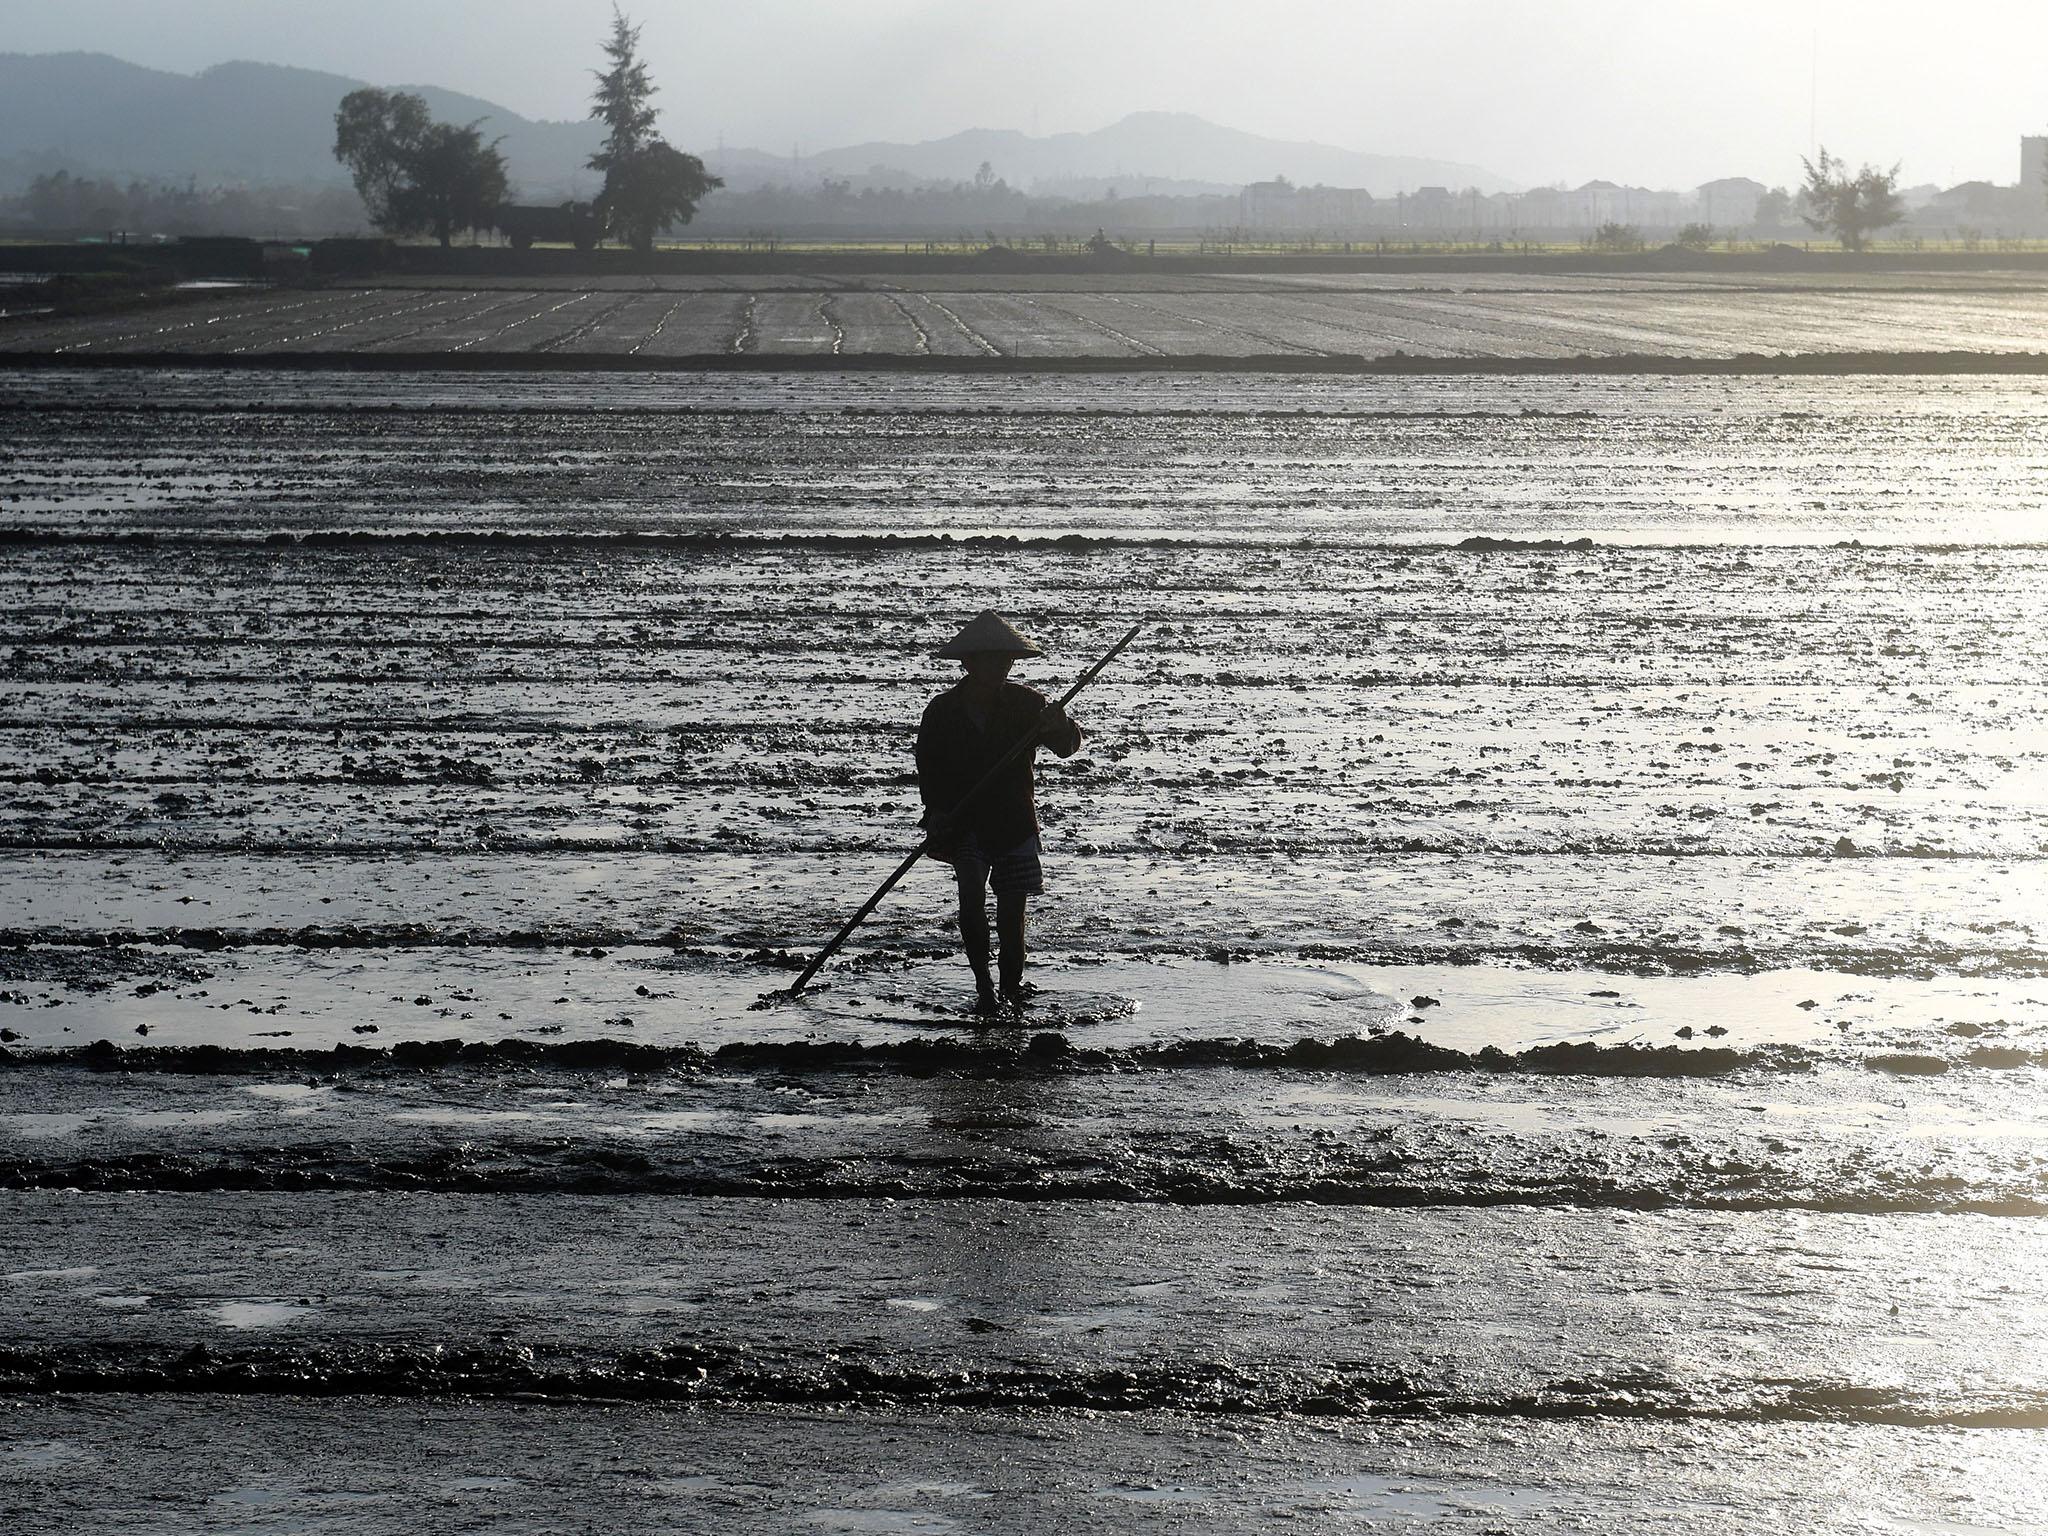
pixel 1850 207
pixel 1773 209
pixel 412 173
pixel 649 184
pixel 1696 237
pixel 458 181
pixel 657 187
pixel 1618 237
pixel 375 133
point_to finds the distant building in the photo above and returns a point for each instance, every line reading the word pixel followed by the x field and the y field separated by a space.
pixel 1730 203
pixel 1982 205
pixel 1431 208
pixel 1340 208
pixel 1542 208
pixel 1600 202
pixel 1271 204
pixel 1280 207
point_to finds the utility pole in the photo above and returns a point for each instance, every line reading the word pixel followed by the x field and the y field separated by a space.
pixel 1813 99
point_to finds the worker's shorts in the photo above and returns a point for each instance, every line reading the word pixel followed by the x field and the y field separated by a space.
pixel 1016 873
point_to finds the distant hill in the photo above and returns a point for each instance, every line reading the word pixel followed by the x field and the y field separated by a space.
pixel 94 114
pixel 90 113
pixel 1157 146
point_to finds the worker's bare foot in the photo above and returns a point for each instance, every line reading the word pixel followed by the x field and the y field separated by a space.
pixel 987 1005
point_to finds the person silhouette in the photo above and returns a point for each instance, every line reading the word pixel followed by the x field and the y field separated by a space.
pixel 991 840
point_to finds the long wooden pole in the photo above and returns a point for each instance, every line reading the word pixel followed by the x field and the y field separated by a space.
pixel 1023 744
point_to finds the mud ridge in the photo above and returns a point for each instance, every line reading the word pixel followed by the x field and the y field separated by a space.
pixel 87 958
pixel 720 542
pixel 711 542
pixel 1742 364
pixel 447 410
pixel 723 1376
pixel 686 540
pixel 554 1168
pixel 1391 1054
pixel 1371 844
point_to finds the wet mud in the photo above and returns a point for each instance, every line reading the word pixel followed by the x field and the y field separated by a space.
pixel 1628 322
pixel 392 1465
pixel 947 1124
pixel 873 1305
pixel 1551 829
pixel 740 356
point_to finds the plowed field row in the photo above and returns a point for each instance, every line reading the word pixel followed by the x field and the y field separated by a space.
pixel 1653 320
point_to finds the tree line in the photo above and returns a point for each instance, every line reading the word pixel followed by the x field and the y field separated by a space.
pixel 1851 206
pixel 417 176
pixel 58 200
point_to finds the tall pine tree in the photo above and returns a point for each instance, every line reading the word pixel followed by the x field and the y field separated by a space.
pixel 648 184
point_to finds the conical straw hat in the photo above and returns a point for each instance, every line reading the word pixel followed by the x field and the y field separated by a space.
pixel 988 631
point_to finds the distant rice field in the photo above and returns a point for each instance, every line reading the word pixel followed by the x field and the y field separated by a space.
pixel 1132 318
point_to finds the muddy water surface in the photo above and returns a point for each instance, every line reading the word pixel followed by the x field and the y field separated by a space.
pixel 1220 318
pixel 1623 799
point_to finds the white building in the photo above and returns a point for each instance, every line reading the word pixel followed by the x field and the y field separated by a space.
pixel 1279 206
pixel 1730 203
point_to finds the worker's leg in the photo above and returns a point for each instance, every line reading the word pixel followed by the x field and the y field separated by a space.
pixel 974 937
pixel 1015 878
pixel 1010 908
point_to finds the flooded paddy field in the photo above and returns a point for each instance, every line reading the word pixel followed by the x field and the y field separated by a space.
pixel 386 1463
pixel 1545 959
pixel 1222 317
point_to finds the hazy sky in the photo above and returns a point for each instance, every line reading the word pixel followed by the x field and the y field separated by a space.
pixel 1659 92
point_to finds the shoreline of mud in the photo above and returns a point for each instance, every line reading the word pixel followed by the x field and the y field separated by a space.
pixel 734 542
pixel 1745 365
pixel 1027 1051
pixel 689 1374
pixel 1417 1163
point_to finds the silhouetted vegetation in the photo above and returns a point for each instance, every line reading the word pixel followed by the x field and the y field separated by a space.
pixel 1849 207
pixel 416 175
pixel 1617 237
pixel 59 202
pixel 1774 210
pixel 649 185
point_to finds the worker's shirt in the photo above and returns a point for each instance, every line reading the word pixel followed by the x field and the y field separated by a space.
pixel 954 751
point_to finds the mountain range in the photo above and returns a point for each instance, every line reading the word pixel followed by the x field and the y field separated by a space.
pixel 94 114
pixel 91 113
pixel 1172 151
